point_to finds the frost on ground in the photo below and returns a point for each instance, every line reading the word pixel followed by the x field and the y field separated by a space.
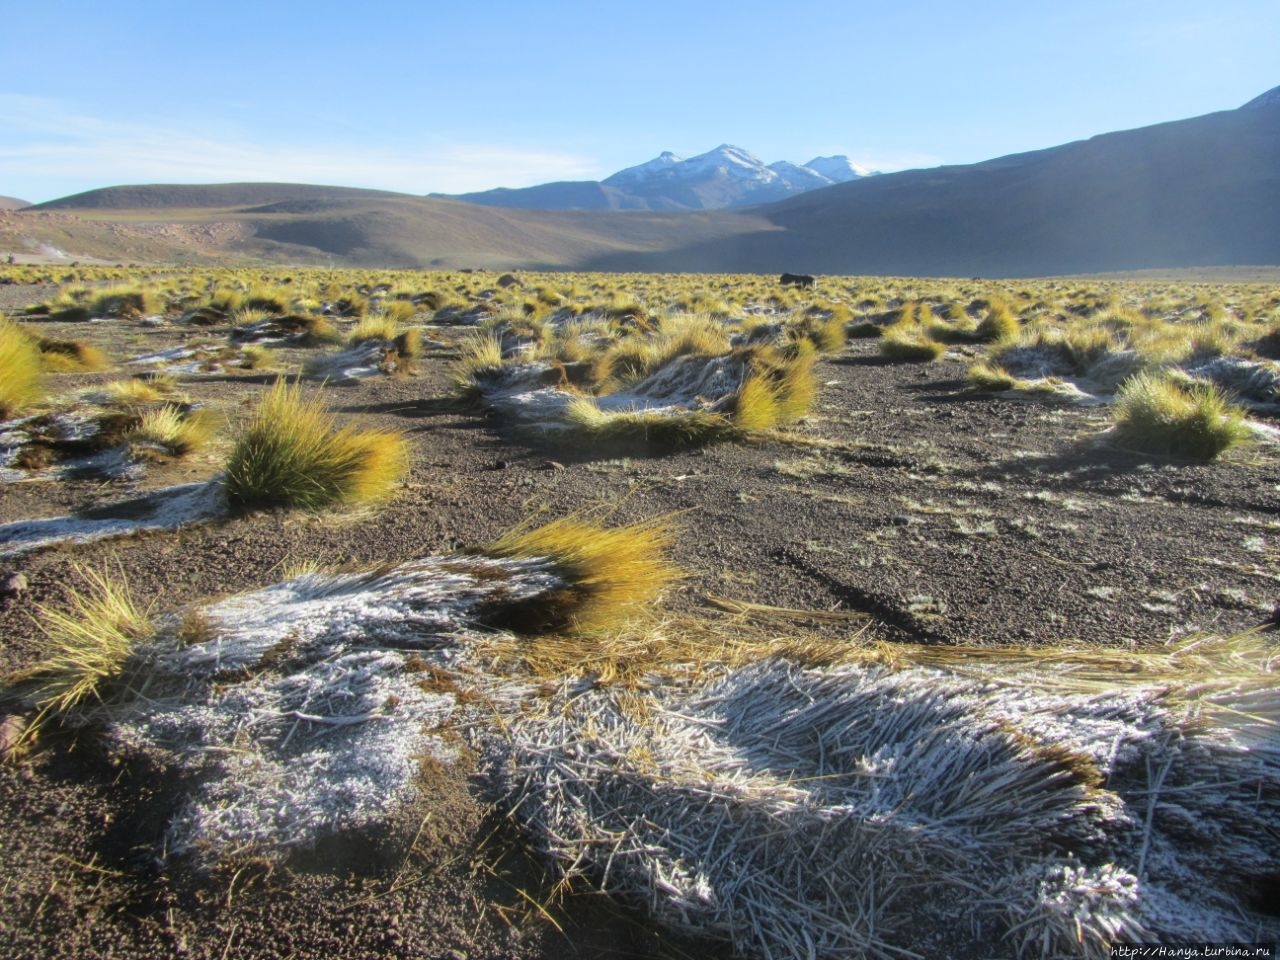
pixel 166 509
pixel 79 434
pixel 914 803
pixel 305 710
pixel 532 395
pixel 868 811
pixel 370 358
pixel 1048 370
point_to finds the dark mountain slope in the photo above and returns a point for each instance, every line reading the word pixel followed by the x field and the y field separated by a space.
pixel 1198 192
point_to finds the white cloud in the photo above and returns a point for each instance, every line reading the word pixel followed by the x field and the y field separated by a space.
pixel 42 142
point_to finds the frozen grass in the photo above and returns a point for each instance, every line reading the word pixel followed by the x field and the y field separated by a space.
pixel 293 454
pixel 846 810
pixel 614 572
pixel 20 371
pixel 664 428
pixel 84 646
pixel 1162 414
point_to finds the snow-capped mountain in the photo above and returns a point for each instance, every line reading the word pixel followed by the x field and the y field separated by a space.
pixel 727 176
pixel 838 169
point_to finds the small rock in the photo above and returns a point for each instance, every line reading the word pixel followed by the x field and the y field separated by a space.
pixel 12 728
pixel 13 585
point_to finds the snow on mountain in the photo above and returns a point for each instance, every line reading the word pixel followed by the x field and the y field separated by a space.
pixel 838 169
pixel 727 176
pixel 656 167
pixel 800 178
pixel 730 161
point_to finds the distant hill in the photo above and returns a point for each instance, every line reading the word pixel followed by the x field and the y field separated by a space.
pixel 1203 192
pixel 12 203
pixel 221 195
pixel 323 225
pixel 1197 192
pixel 722 178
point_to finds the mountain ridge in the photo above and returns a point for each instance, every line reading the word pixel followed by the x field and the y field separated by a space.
pixel 726 177
pixel 1198 192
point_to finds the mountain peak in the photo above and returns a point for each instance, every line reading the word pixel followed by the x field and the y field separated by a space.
pixel 838 168
pixel 1269 99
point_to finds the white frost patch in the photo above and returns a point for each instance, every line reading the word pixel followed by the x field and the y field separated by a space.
pixel 527 393
pixel 304 714
pixel 858 811
pixel 164 510
pixel 371 358
pixel 1253 383
pixel 166 356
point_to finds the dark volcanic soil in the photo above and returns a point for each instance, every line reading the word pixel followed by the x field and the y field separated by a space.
pixel 928 512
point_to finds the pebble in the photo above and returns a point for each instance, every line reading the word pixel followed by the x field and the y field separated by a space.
pixel 13 585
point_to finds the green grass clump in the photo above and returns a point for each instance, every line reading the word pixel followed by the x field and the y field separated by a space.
pixel 136 391
pixel 613 573
pixel 293 454
pixel 478 359
pixel 70 356
pixel 179 432
pixel 127 302
pixel 84 647
pixel 21 371
pixel 1000 324
pixel 375 326
pixel 990 377
pixel 1156 412
pixel 666 430
pixel 257 357
pixel 909 343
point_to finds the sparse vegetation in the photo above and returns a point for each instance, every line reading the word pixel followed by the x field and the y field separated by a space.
pixel 293 454
pixel 85 645
pixel 21 380
pixel 176 430
pixel 1163 414
pixel 612 572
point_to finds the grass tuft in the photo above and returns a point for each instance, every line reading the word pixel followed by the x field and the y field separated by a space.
pixel 614 572
pixel 20 371
pixel 135 391
pixel 1159 413
pixel 178 432
pixel 478 359
pixel 293 454
pixel 989 377
pixel 909 343
pixel 663 429
pixel 85 646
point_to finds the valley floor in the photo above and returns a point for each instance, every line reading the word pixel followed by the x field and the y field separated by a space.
pixel 905 506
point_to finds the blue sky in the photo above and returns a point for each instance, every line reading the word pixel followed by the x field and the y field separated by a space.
pixel 429 96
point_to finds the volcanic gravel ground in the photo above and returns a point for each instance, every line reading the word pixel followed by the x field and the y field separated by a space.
pixel 922 511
